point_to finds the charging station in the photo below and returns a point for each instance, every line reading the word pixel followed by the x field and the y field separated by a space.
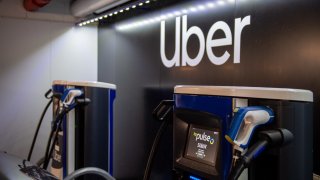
pixel 203 117
pixel 87 133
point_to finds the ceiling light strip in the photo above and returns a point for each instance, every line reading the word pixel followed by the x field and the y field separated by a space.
pixel 208 5
pixel 115 12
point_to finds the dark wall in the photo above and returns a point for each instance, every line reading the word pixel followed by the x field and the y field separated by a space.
pixel 280 48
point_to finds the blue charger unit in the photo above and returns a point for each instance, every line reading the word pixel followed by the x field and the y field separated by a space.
pixel 87 138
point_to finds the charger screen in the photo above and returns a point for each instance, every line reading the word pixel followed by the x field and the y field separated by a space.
pixel 202 145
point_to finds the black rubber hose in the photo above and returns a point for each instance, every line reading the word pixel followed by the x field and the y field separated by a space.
pixel 155 144
pixel 48 156
pixel 246 159
pixel 53 129
pixel 48 146
pixel 237 171
pixel 37 130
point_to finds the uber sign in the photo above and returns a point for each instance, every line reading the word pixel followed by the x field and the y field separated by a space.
pixel 205 43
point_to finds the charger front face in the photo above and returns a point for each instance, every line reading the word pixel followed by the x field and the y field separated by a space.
pixel 200 124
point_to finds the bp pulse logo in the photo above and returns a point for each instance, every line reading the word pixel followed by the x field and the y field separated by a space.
pixel 203 137
pixel 206 43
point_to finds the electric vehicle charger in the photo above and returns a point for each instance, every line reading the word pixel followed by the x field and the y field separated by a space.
pixel 86 138
pixel 12 167
pixel 204 133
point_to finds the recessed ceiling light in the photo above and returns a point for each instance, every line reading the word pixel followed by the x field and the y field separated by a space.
pixel 184 11
pixel 210 5
pixel 193 9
